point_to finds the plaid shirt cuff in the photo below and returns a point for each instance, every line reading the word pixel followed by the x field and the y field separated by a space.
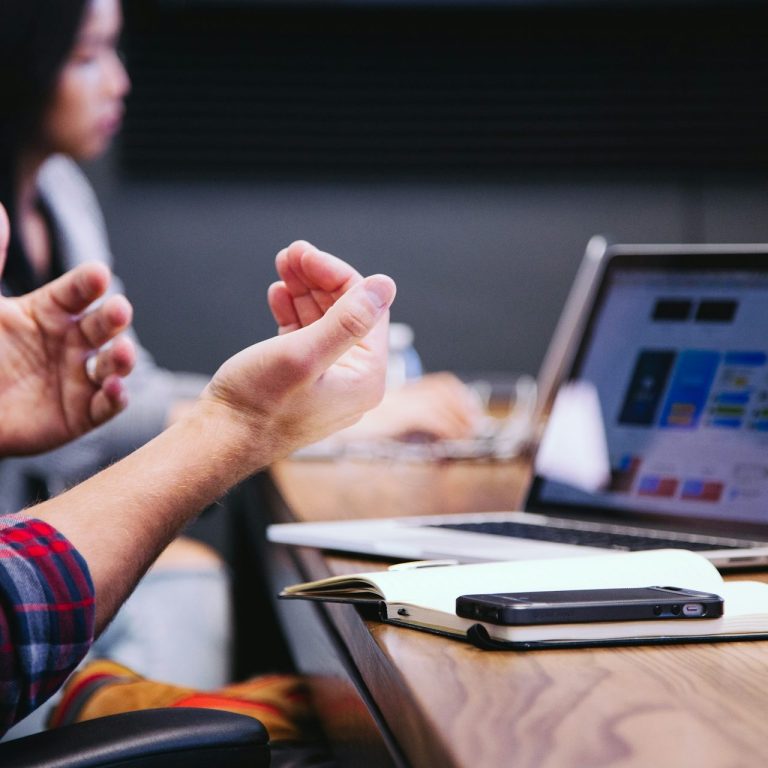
pixel 46 614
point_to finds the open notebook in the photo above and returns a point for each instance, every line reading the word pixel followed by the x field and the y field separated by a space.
pixel 672 343
pixel 425 598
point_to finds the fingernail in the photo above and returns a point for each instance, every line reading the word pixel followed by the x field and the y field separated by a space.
pixel 381 289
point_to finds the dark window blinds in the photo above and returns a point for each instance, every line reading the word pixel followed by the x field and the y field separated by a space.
pixel 249 91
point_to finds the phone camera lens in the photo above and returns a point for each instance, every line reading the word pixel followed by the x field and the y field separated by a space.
pixel 676 610
pixel 657 610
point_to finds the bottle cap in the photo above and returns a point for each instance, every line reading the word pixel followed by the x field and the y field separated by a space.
pixel 400 336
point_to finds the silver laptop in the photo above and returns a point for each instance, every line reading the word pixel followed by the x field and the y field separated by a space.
pixel 674 342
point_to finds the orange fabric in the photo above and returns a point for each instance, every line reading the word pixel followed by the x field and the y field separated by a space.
pixel 280 702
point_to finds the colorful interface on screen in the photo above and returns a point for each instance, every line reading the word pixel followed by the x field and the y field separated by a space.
pixel 680 363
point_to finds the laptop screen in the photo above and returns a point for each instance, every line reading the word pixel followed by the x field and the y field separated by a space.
pixel 677 350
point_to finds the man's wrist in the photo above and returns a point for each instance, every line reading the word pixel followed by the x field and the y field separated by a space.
pixel 231 443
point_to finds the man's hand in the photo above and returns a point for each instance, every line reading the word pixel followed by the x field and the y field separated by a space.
pixel 437 406
pixel 326 368
pixel 310 283
pixel 46 395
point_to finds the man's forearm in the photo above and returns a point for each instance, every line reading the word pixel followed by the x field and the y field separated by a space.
pixel 122 518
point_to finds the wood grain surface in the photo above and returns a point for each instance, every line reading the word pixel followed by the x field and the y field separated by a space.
pixel 449 704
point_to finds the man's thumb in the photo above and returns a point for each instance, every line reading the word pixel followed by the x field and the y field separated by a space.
pixel 352 318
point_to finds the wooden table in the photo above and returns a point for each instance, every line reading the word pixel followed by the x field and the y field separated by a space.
pixel 394 696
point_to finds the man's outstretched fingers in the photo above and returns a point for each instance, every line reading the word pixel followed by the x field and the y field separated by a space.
pixel 314 279
pixel 108 401
pixel 285 262
pixel 281 305
pixel 324 271
pixel 78 288
pixel 106 321
pixel 350 320
pixel 116 360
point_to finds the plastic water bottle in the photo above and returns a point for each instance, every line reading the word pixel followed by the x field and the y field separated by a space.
pixel 404 362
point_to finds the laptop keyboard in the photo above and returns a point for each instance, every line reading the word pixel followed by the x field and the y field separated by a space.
pixel 597 537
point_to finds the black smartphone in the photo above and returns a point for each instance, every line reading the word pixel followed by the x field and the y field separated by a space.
pixel 579 605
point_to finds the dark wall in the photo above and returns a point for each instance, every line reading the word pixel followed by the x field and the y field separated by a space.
pixel 483 246
pixel 482 269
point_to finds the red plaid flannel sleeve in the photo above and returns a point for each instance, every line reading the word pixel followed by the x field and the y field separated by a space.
pixel 46 614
